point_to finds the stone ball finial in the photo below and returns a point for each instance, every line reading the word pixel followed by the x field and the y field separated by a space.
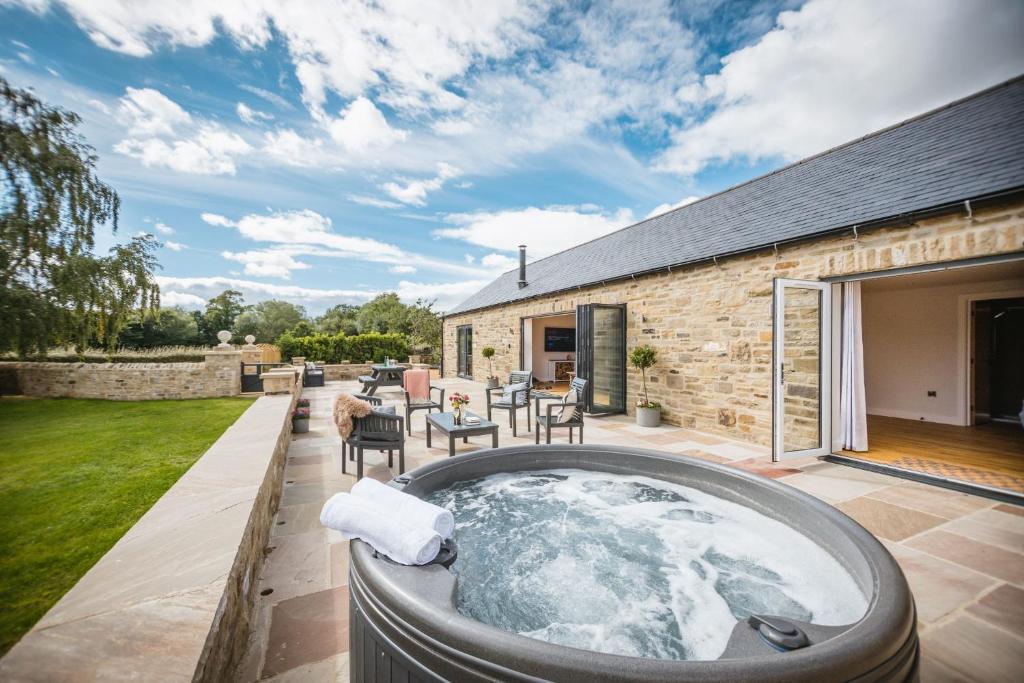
pixel 250 339
pixel 224 337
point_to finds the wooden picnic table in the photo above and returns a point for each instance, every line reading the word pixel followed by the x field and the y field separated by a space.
pixel 382 376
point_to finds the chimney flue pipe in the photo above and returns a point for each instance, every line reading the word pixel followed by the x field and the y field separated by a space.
pixel 522 266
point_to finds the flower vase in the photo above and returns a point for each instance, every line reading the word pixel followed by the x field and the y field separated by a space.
pixel 458 415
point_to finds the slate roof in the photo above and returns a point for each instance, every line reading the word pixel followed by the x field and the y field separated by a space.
pixel 969 149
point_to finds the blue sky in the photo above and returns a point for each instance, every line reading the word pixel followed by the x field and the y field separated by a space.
pixel 324 152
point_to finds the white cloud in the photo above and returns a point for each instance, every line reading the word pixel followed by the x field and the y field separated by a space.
pixel 663 208
pixel 308 233
pixel 183 299
pixel 216 219
pixel 292 149
pixel 266 262
pixel 174 246
pixel 499 262
pixel 544 231
pixel 362 126
pixel 211 151
pixel 148 112
pixel 415 191
pixel 373 201
pixel 211 286
pixel 402 270
pixel 271 97
pixel 835 70
pixel 163 228
pixel 446 294
pixel 303 227
pixel 162 134
pixel 250 115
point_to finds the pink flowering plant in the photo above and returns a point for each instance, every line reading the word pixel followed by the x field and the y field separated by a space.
pixel 458 400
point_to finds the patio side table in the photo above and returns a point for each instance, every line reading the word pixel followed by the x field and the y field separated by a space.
pixel 445 423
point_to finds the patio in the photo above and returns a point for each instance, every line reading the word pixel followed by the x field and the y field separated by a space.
pixel 963 555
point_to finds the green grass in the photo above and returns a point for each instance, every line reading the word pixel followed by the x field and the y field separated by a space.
pixel 75 475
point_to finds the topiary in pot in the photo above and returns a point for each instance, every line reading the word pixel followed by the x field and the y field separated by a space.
pixel 648 413
pixel 488 353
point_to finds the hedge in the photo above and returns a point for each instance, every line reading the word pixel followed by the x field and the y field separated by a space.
pixel 338 348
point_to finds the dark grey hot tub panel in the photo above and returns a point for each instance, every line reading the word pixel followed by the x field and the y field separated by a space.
pixel 404 625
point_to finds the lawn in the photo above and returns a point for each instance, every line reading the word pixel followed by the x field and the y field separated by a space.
pixel 75 475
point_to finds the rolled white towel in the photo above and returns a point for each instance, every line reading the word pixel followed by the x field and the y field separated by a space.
pixel 360 518
pixel 407 508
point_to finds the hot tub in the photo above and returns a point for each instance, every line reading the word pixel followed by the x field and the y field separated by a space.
pixel 414 623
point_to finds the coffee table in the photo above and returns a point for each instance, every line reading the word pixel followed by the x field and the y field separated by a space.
pixel 445 423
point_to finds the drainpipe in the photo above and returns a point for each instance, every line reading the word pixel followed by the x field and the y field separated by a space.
pixel 522 266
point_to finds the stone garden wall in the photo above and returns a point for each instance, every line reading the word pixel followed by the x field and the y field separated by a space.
pixel 712 324
pixel 218 375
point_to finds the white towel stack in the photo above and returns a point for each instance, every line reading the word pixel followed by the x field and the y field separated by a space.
pixel 409 510
pixel 403 527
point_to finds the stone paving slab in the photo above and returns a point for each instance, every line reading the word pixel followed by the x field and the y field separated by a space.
pixel 952 586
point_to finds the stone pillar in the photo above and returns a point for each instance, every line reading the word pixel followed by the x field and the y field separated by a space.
pixel 224 370
pixel 298 360
pixel 282 381
pixel 250 352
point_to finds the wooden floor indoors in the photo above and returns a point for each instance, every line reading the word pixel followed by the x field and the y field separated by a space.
pixel 990 455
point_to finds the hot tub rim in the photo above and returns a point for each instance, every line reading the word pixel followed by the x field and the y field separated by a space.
pixel 886 628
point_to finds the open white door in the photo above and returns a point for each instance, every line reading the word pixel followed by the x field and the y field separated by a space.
pixel 801 361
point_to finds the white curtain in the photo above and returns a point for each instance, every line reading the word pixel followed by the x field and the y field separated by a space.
pixel 852 404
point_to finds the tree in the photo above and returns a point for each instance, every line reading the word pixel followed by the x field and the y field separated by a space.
pixel 172 326
pixel 643 358
pixel 425 326
pixel 385 313
pixel 51 202
pixel 268 320
pixel 303 329
pixel 340 319
pixel 221 312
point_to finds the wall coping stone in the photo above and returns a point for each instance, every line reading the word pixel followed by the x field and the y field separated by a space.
pixel 172 599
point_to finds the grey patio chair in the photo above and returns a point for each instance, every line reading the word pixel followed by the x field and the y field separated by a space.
pixel 547 422
pixel 518 400
pixel 377 431
pixel 427 404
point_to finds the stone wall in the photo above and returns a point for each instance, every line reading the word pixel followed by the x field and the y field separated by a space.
pixel 174 599
pixel 218 375
pixel 712 324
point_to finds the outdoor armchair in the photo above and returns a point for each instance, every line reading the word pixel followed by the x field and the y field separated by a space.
pixel 519 399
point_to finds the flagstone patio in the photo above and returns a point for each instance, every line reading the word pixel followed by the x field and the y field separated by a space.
pixel 963 555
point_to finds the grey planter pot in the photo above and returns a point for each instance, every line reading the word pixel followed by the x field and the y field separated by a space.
pixel 493 383
pixel 648 417
pixel 300 426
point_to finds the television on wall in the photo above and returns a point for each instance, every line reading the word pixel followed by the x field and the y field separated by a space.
pixel 560 339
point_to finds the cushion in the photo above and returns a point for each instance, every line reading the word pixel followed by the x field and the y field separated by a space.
pixel 521 398
pixel 385 410
pixel 567 412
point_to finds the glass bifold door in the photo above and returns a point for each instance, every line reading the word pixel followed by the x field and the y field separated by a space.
pixel 801 395
pixel 601 356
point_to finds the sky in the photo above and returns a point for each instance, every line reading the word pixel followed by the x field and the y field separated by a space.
pixel 324 152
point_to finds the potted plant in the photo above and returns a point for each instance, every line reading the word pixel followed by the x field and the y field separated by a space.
pixel 458 400
pixel 492 380
pixel 648 413
pixel 300 418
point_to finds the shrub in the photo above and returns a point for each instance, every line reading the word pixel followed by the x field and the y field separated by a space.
pixel 337 348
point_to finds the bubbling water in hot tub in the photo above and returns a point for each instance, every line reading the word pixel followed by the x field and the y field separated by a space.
pixel 632 565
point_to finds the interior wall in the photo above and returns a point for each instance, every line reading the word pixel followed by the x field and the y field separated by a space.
pixel 913 345
pixel 540 356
